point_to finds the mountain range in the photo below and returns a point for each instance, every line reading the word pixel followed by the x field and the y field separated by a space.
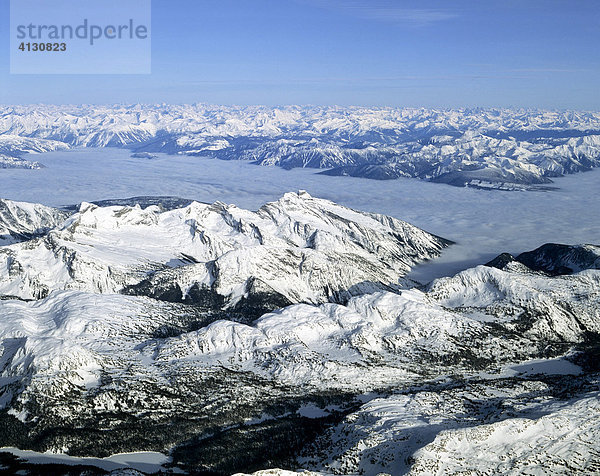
pixel 483 148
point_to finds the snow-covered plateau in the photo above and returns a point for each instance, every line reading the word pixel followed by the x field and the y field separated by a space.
pixel 290 336
pixel 483 148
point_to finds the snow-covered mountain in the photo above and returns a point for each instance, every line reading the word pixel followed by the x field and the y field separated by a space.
pixel 477 159
pixel 16 145
pixel 497 148
pixel 298 249
pixel 558 259
pixel 288 336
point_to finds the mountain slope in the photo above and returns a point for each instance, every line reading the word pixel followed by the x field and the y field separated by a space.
pixel 561 259
pixel 504 426
pixel 76 359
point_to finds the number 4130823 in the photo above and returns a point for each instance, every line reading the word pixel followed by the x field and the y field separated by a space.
pixel 43 47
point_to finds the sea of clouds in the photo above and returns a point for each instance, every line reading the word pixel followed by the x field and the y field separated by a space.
pixel 483 223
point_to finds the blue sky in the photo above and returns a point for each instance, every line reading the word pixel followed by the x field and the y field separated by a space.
pixel 452 53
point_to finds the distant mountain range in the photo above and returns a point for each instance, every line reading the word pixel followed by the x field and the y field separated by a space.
pixel 485 148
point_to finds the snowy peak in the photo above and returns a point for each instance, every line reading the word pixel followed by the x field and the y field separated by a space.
pixel 16 145
pixel 297 249
pixel 12 147
pixel 534 305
